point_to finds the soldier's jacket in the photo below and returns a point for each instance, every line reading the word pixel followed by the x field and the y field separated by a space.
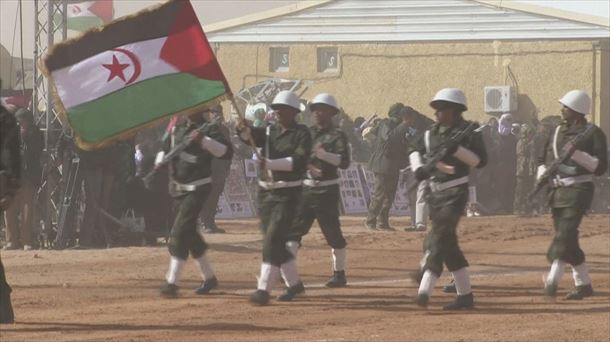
pixel 577 195
pixel 332 140
pixel 293 142
pixel 194 163
pixel 388 154
pixel 438 135
pixel 10 159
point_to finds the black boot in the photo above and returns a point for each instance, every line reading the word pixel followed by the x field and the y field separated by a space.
pixel 450 288
pixel 207 286
pixel 291 292
pixel 337 280
pixel 6 309
pixel 422 300
pixel 169 291
pixel 580 292
pixel 461 302
pixel 259 297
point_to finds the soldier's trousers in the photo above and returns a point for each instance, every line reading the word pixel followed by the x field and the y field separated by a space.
pixel 208 214
pixel 23 203
pixel 184 237
pixel 523 187
pixel 565 246
pixel 321 204
pixel 382 199
pixel 277 210
pixel 441 243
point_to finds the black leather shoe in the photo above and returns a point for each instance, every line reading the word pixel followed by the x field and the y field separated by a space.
pixel 580 292
pixel 6 308
pixel 461 303
pixel 386 227
pixel 370 226
pixel 169 291
pixel 207 286
pixel 422 300
pixel 337 280
pixel 450 288
pixel 291 292
pixel 259 297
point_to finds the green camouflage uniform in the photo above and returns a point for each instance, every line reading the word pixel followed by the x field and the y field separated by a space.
pixel 321 202
pixel 525 169
pixel 447 206
pixel 570 203
pixel 277 205
pixel 192 165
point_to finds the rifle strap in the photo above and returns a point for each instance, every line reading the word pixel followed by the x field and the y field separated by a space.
pixel 427 140
pixel 555 137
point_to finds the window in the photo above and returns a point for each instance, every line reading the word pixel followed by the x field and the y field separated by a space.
pixel 327 59
pixel 279 59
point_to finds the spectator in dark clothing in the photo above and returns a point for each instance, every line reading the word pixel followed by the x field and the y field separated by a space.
pixel 19 234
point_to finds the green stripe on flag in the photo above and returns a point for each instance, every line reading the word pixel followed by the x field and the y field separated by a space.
pixel 139 104
pixel 84 23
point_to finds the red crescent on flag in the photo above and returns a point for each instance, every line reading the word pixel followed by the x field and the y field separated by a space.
pixel 137 67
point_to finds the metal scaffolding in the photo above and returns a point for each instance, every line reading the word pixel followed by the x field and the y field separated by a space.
pixel 50 25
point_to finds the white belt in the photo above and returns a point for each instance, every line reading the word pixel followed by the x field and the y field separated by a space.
pixel 563 182
pixel 187 157
pixel 312 183
pixel 435 187
pixel 192 186
pixel 279 184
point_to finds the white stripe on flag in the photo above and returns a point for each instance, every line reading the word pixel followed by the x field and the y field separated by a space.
pixel 87 80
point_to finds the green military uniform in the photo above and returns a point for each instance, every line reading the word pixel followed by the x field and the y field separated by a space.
pixel 447 205
pixel 279 196
pixel 525 169
pixel 190 184
pixel 569 202
pixel 386 161
pixel 321 193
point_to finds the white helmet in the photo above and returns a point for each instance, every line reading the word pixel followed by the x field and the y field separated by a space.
pixel 288 98
pixel 577 100
pixel 326 99
pixel 452 95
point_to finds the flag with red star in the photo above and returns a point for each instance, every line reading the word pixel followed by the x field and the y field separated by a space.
pixel 113 81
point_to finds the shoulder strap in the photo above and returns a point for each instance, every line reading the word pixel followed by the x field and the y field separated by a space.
pixel 555 137
pixel 427 140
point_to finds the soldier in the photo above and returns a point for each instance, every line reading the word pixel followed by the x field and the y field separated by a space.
pixel 572 189
pixel 386 162
pixel 190 185
pixel 220 173
pixel 321 188
pixel 525 169
pixel 19 232
pixel 448 194
pixel 10 174
pixel 286 147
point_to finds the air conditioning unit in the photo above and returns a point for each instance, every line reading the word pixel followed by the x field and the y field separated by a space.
pixel 500 99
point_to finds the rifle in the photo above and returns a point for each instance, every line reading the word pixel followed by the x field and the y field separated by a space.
pixel 442 150
pixel 551 171
pixel 167 158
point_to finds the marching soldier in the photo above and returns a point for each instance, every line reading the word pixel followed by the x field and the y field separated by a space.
pixel 321 188
pixel 572 189
pixel 286 147
pixel 190 184
pixel 448 193
pixel 10 174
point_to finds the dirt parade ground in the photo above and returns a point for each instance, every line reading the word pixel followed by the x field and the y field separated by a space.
pixel 113 294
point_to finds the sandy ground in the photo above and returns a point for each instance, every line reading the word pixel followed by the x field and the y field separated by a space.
pixel 112 295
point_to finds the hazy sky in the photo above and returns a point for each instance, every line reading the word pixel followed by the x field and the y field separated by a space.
pixel 210 11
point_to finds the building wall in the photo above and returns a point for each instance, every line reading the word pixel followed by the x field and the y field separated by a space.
pixel 371 77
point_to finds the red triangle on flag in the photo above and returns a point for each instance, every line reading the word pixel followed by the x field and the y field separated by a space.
pixel 103 9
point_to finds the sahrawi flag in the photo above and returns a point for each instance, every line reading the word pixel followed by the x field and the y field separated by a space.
pixel 134 72
pixel 83 15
